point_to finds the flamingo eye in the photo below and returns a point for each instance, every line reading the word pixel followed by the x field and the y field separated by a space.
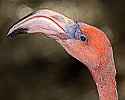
pixel 82 38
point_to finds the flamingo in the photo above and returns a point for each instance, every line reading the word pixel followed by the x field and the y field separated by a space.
pixel 84 42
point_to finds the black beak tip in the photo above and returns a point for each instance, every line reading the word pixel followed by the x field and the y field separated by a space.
pixel 11 36
pixel 16 32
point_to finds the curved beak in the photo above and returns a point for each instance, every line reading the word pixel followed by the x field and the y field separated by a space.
pixel 47 22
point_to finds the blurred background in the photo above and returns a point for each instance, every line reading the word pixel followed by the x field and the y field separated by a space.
pixel 37 68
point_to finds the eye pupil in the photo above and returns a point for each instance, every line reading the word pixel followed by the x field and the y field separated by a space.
pixel 82 37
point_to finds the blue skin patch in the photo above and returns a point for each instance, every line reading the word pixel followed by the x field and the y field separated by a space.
pixel 74 32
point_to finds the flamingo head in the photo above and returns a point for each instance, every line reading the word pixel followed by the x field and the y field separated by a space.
pixel 82 41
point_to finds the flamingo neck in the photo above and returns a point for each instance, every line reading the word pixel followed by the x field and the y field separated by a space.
pixel 104 76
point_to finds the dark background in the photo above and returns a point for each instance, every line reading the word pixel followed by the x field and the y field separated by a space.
pixel 37 68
